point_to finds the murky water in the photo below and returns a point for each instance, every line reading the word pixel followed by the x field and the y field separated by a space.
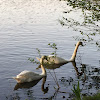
pixel 30 24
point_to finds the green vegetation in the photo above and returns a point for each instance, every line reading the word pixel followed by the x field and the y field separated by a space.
pixel 77 91
pixel 94 97
pixel 53 46
pixel 76 88
pixel 88 12
pixel 78 96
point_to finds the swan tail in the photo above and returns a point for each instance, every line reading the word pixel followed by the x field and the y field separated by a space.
pixel 38 58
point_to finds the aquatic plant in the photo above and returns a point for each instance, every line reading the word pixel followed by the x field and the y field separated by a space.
pixel 78 96
pixel 89 13
pixel 54 47
pixel 51 45
pixel 76 90
pixel 94 97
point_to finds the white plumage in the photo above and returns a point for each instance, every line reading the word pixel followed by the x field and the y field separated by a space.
pixel 28 76
pixel 58 60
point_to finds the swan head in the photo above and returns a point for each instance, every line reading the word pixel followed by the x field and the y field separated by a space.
pixel 80 43
pixel 42 58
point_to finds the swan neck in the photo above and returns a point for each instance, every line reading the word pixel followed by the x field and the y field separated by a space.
pixel 43 71
pixel 74 53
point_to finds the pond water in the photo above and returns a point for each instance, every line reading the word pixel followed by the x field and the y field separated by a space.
pixel 30 24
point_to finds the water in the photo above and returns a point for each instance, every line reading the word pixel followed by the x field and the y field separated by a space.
pixel 30 24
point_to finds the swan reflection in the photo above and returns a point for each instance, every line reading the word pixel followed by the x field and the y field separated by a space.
pixel 31 84
pixel 54 66
pixel 76 69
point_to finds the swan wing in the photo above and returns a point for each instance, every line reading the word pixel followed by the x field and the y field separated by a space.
pixel 56 60
pixel 27 76
pixel 51 59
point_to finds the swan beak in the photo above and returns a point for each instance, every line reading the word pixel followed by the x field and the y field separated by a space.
pixel 81 43
pixel 38 58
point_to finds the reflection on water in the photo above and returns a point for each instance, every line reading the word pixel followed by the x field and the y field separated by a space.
pixel 54 66
pixel 89 80
pixel 31 84
pixel 88 77
pixel 26 84
pixel 76 69
pixel 30 24
pixel 89 25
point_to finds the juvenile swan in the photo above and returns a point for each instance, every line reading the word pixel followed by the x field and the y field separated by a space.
pixel 58 60
pixel 28 76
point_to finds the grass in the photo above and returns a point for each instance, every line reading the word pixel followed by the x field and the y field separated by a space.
pixel 78 96
pixel 76 91
pixel 94 97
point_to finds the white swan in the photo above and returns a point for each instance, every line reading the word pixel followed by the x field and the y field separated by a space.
pixel 58 60
pixel 31 84
pixel 28 76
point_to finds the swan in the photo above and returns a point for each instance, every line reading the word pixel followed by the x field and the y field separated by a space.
pixel 51 59
pixel 26 84
pixel 28 76
pixel 31 84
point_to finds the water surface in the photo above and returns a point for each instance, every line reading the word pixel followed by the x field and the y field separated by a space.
pixel 30 24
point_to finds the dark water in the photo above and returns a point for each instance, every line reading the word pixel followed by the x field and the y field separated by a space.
pixel 30 24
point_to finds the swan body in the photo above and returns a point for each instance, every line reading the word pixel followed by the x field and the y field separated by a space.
pixel 53 60
pixel 58 60
pixel 28 76
pixel 26 84
pixel 31 84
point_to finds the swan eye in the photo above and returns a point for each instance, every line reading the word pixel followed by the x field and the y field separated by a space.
pixel 45 57
pixel 81 43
